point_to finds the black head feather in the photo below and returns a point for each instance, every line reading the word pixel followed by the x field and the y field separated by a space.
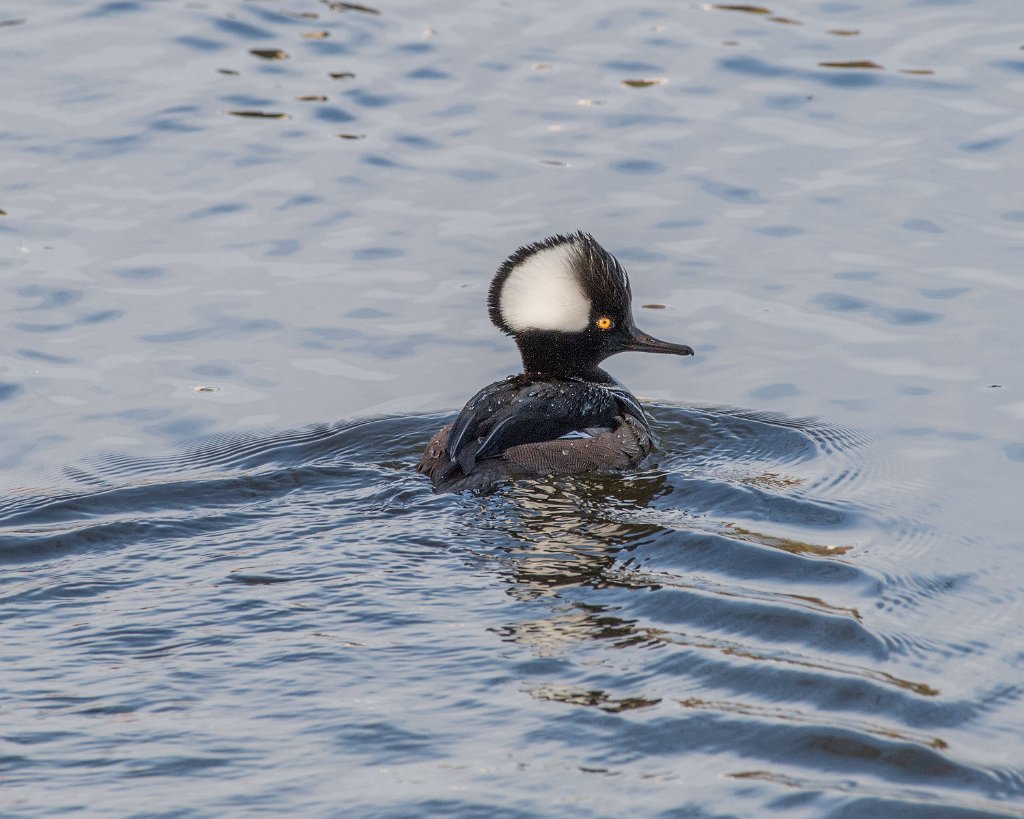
pixel 601 278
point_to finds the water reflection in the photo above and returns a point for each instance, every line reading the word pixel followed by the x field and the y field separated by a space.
pixel 611 561
pixel 803 624
pixel 647 594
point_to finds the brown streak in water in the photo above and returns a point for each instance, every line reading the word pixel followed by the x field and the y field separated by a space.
pixel 764 776
pixel 653 306
pixel 921 72
pixel 852 64
pixel 740 7
pixel 229 71
pixel 338 6
pixel 796 547
pixel 350 136
pixel 259 114
pixel 316 35
pixel 645 83
pixel 312 98
pixel 269 53
pixel 772 480
pixel 844 32
pixel 577 696
pixel 627 704
pixel 342 75
pixel 749 710
pixel 817 602
pixel 786 21
pixel 923 689
pixel 646 581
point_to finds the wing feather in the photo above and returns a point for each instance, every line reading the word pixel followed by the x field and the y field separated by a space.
pixel 525 410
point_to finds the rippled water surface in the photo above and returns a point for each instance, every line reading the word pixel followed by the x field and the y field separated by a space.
pixel 245 250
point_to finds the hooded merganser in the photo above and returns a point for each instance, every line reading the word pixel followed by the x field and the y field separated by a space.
pixel 566 301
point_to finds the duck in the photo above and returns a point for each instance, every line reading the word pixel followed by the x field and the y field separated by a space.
pixel 567 304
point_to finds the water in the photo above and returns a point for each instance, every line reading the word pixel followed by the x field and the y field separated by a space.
pixel 228 337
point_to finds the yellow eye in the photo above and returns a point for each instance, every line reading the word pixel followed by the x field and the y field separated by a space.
pixel 604 323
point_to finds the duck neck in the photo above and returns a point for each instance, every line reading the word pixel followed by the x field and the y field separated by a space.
pixel 562 355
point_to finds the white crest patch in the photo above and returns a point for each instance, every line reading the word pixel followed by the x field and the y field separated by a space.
pixel 543 293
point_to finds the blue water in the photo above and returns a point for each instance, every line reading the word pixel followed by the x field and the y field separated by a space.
pixel 245 250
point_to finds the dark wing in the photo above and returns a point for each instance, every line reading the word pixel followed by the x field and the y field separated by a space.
pixel 434 463
pixel 476 419
pixel 620 448
pixel 521 411
pixel 629 405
